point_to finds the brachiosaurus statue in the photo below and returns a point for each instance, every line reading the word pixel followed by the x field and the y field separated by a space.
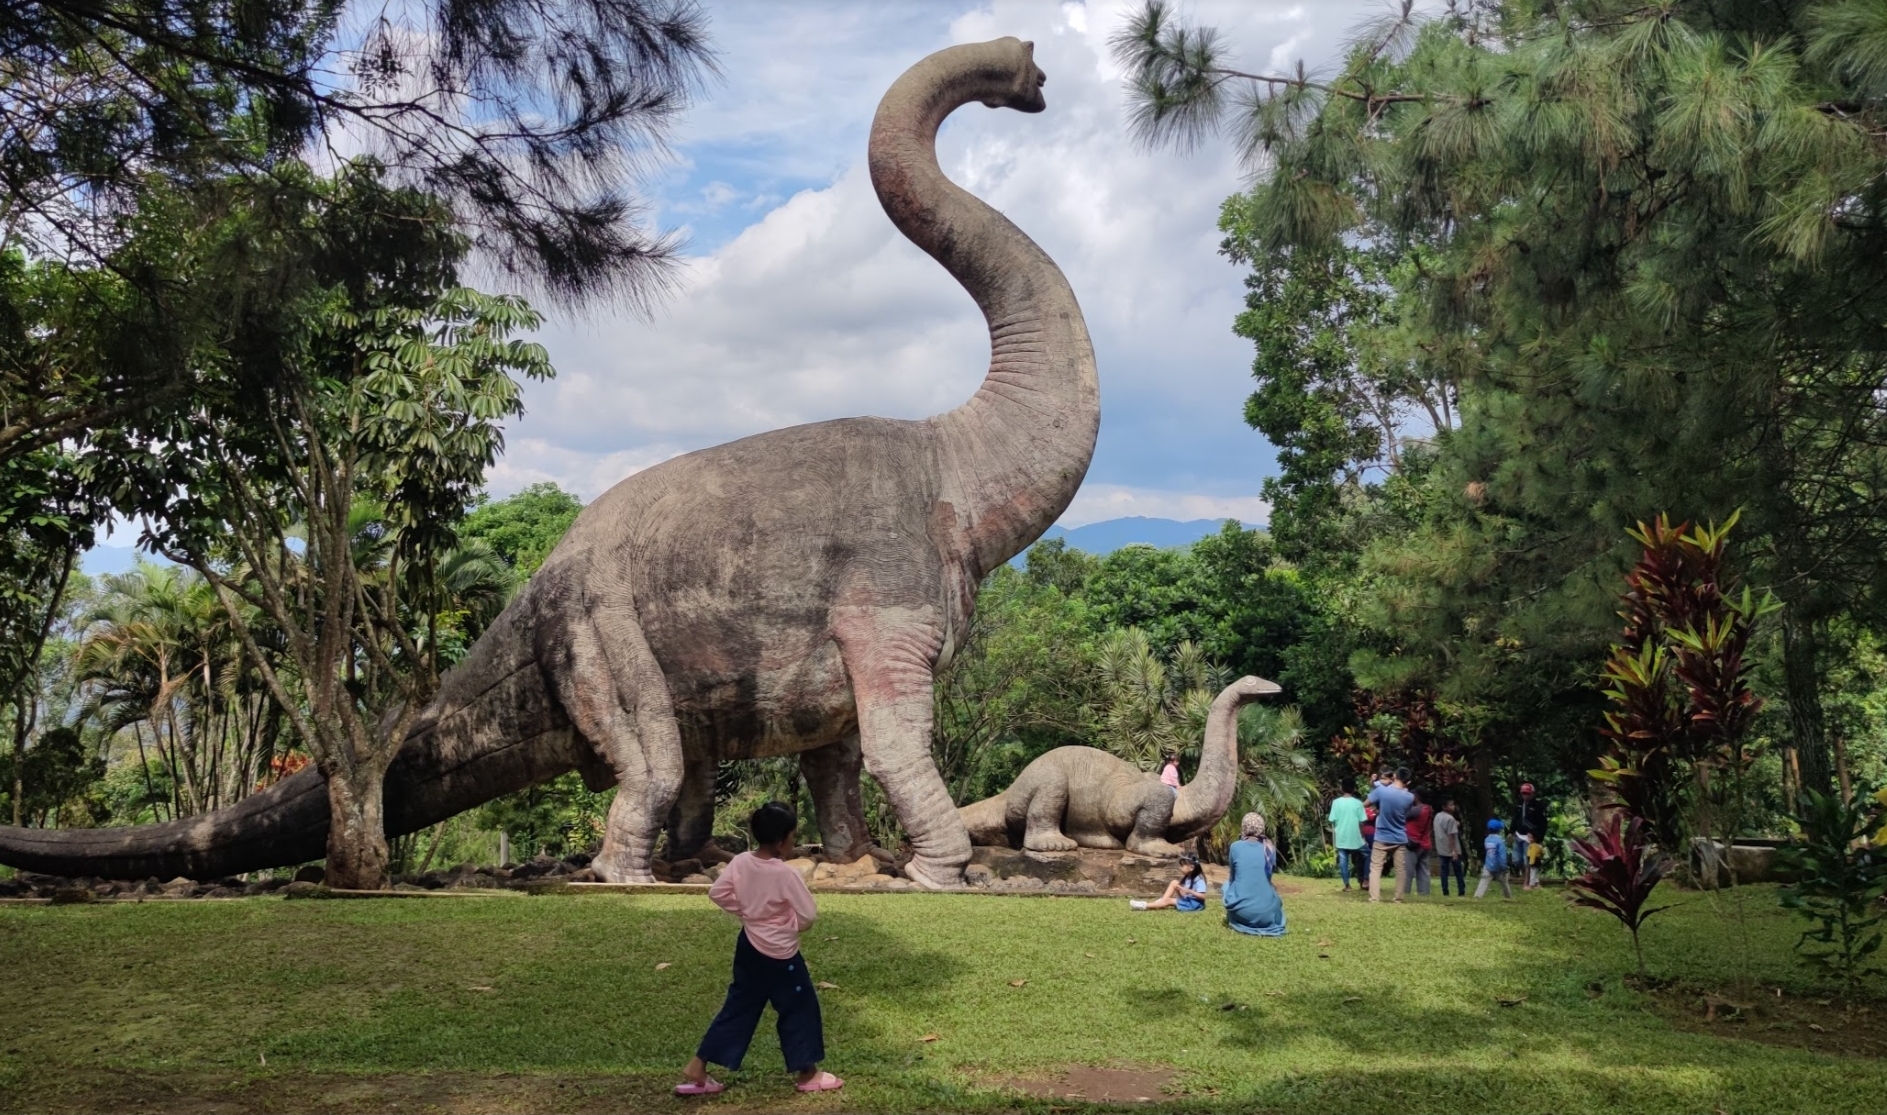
pixel 1083 797
pixel 790 592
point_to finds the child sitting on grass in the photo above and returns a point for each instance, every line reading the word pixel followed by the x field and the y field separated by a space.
pixel 1187 894
pixel 774 908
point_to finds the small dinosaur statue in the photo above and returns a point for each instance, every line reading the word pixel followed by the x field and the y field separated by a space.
pixel 1083 797
pixel 788 593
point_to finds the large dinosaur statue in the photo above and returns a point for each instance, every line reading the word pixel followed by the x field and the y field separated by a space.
pixel 1083 797
pixel 788 592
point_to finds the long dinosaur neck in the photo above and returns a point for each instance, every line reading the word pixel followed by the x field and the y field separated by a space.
pixel 1017 450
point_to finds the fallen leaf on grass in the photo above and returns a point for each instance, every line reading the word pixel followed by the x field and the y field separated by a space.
pixel 662 965
pixel 478 987
pixel 825 986
pixel 834 937
pixel 1275 994
pixel 1089 955
pixel 1511 1002
pixel 1816 1027
pixel 1325 943
pixel 928 1037
pixel 1352 998
pixel 1018 983
pixel 1132 941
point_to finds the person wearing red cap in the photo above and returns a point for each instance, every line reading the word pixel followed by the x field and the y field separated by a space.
pixel 1530 827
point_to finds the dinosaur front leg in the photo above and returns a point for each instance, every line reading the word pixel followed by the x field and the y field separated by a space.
pixel 602 672
pixel 691 821
pixel 888 652
pixel 832 774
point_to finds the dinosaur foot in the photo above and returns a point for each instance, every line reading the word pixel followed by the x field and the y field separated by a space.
pixel 621 869
pixel 1049 842
pixel 932 874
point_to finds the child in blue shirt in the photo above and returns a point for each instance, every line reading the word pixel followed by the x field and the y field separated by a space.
pixel 1187 894
pixel 1494 862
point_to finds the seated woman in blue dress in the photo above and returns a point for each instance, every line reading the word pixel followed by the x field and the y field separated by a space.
pixel 1252 904
pixel 1187 894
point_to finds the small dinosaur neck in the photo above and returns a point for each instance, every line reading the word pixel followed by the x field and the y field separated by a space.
pixel 1017 451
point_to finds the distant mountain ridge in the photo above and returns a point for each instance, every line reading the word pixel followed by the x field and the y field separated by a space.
pixel 1111 534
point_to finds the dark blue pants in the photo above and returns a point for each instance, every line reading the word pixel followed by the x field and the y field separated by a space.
pixel 758 980
pixel 1458 865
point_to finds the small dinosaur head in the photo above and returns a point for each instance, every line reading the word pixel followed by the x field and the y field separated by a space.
pixel 1019 79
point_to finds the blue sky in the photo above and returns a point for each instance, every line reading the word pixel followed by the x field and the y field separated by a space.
pixel 801 303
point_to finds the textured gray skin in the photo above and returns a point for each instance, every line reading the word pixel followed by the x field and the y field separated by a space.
pixel 790 592
pixel 1083 797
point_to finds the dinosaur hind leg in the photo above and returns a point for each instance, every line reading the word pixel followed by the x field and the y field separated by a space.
pixel 600 667
pixel 691 821
pixel 832 774
pixel 1041 830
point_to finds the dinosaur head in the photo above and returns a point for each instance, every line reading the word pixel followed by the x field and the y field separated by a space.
pixel 1012 78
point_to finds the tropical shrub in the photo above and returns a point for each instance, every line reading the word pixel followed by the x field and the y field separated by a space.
pixel 1841 877
pixel 1623 867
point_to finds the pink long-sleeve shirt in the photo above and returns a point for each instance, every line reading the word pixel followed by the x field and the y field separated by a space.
pixel 769 898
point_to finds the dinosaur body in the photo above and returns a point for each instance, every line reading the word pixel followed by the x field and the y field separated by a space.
pixel 788 593
pixel 1083 797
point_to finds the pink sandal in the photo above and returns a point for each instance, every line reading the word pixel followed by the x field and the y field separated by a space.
pixel 708 1087
pixel 824 1082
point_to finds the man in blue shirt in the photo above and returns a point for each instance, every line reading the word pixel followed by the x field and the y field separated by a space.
pixel 1393 802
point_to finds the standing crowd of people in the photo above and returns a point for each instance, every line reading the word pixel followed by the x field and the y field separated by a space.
pixel 1398 828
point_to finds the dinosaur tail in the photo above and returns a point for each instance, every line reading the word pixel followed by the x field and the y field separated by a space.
pixel 987 820
pixel 491 730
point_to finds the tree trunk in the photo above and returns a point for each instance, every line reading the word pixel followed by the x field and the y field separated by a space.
pixel 357 831
pixel 1801 681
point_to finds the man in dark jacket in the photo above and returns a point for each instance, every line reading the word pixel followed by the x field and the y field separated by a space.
pixel 1530 827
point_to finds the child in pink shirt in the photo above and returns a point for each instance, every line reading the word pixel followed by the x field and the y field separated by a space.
pixel 774 908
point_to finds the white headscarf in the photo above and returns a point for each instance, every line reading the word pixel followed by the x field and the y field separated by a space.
pixel 1252 827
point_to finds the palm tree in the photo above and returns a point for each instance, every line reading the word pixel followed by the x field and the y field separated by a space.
pixel 1150 706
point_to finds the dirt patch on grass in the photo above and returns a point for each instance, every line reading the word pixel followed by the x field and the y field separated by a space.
pixel 148 1093
pixel 1825 1024
pixel 1095 1085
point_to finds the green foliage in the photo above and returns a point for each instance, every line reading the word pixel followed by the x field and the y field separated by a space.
pixel 1841 879
pixel 552 818
pixel 522 528
pixel 57 769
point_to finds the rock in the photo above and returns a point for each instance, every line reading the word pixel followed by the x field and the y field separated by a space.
pixel 807 851
pixel 578 860
pixel 222 892
pixel 881 855
pixel 682 868
pixel 584 875
pixel 715 871
pixel 302 888
pixel 10 888
pixel 536 868
pixel 898 884
pixel 179 886
pixel 874 880
pixel 697 878
pixel 804 865
pixel 860 868
pixel 253 889
pixel 1022 882
pixel 432 880
pixel 106 888
pixel 733 843
pixel 825 872
pixel 977 875
pixel 713 853
pixel 311 873
pixel 72 896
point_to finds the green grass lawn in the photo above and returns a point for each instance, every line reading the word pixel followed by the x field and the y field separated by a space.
pixel 516 1003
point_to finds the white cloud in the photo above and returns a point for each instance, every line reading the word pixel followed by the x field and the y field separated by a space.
pixel 819 309
pixel 1100 502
